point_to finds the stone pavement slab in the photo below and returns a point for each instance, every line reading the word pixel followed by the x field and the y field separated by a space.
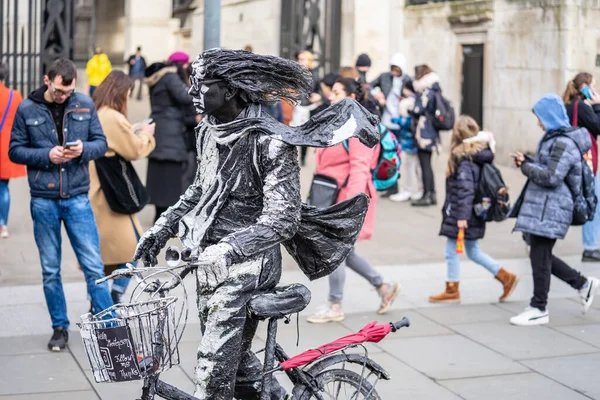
pixel 514 387
pixel 450 356
pixel 40 373
pixel 586 333
pixel 536 342
pixel 580 373
pixel 451 314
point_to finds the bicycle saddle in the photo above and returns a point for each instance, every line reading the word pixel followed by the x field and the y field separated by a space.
pixel 279 302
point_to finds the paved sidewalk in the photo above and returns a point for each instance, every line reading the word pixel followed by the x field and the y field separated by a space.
pixel 467 351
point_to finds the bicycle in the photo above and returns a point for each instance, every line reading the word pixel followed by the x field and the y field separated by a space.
pixel 140 340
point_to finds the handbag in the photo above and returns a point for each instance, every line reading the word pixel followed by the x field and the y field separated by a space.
pixel 121 185
pixel 324 191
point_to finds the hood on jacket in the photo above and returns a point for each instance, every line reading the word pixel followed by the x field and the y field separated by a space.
pixel 550 109
pixel 399 60
pixel 485 137
pixel 156 71
pixel 477 151
pixel 38 95
pixel 426 82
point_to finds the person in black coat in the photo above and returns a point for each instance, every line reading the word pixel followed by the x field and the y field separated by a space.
pixel 585 112
pixel 467 157
pixel 171 105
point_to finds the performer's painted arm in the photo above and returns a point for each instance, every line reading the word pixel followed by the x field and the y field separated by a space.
pixel 281 203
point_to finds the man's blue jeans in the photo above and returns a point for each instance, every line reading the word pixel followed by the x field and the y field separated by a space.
pixel 4 202
pixel 76 213
pixel 474 253
pixel 591 230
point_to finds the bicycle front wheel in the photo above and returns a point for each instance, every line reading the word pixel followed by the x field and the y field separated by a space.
pixel 342 384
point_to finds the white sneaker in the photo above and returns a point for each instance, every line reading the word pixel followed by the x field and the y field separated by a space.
pixel 3 232
pixel 327 313
pixel 531 316
pixel 416 196
pixel 402 196
pixel 588 292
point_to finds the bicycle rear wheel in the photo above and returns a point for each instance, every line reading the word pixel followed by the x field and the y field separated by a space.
pixel 343 384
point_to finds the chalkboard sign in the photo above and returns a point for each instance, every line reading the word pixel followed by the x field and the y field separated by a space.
pixel 118 354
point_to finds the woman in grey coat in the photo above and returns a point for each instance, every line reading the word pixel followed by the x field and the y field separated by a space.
pixel 544 209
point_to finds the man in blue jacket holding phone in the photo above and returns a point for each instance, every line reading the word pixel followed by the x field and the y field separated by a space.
pixel 56 133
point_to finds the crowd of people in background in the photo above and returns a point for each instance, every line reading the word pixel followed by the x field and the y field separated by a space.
pixel 65 191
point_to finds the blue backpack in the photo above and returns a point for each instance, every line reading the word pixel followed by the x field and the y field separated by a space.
pixel 387 171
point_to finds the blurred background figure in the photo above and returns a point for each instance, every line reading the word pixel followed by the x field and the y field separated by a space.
pixel 388 89
pixel 302 112
pixel 119 233
pixel 97 69
pixel 137 65
pixel 170 109
pixel 9 101
pixel 363 65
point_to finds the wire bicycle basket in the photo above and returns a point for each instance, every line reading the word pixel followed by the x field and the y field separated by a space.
pixel 132 341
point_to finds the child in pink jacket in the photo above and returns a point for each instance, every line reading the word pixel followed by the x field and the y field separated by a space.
pixel 353 161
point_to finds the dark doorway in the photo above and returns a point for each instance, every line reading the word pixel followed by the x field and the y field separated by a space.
pixel 472 82
pixel 313 25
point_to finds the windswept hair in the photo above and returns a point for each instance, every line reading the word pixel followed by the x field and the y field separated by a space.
pixel 261 78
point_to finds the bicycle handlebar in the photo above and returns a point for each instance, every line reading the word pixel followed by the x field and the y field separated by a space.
pixel 403 323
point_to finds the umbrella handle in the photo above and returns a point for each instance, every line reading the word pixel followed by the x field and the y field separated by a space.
pixel 403 323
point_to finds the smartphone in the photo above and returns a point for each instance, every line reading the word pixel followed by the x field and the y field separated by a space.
pixel 68 145
pixel 587 92
pixel 514 156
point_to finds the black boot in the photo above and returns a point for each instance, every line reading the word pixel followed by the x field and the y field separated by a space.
pixel 591 256
pixel 428 199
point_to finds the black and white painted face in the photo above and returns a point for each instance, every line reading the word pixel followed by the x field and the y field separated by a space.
pixel 208 94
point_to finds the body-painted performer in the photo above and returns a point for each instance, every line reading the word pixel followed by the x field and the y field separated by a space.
pixel 246 201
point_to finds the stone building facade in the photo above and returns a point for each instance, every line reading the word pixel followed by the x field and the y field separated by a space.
pixel 494 57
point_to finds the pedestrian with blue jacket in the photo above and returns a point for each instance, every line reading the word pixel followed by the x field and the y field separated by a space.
pixel 56 133
pixel 468 155
pixel 411 179
pixel 544 210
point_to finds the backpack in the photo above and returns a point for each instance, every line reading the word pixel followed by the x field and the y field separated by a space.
pixel 491 195
pixel 443 118
pixel 584 202
pixel 387 171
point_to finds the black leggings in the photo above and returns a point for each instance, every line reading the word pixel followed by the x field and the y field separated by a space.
pixel 425 161
pixel 544 265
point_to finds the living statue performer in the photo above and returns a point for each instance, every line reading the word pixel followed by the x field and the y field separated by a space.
pixel 245 202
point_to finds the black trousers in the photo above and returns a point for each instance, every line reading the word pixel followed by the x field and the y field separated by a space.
pixel 425 161
pixel 544 265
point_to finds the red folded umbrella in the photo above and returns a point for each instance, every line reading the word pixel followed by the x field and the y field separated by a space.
pixel 370 333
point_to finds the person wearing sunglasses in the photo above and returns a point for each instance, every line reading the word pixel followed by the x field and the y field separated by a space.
pixel 56 133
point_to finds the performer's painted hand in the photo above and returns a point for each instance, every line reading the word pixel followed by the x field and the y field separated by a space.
pixel 151 243
pixel 213 264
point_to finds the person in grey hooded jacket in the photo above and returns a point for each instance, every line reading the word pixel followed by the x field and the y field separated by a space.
pixel 544 210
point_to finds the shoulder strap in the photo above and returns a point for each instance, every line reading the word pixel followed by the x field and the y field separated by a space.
pixel 575 119
pixel 10 97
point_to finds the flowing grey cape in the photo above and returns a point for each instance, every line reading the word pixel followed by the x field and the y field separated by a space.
pixel 325 236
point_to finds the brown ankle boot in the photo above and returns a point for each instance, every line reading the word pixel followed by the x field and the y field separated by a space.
pixel 451 295
pixel 509 282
